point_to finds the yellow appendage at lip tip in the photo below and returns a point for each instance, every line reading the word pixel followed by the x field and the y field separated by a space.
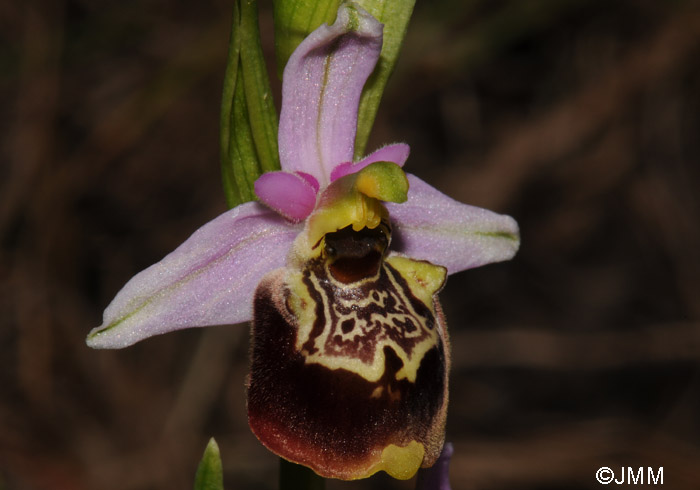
pixel 399 462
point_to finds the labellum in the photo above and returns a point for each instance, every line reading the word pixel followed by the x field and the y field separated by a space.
pixel 350 353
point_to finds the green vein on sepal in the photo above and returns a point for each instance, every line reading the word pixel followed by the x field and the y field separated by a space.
pixel 498 234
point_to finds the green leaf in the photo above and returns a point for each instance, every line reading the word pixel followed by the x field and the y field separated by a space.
pixel 210 474
pixel 245 166
pixel 394 14
pixel 296 19
pixel 233 195
pixel 261 108
pixel 248 115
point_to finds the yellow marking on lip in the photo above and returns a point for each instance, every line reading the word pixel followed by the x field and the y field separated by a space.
pixel 322 350
pixel 424 279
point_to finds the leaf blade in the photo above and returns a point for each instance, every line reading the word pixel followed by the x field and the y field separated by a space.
pixel 210 474
pixel 262 114
pixel 248 136
pixel 395 15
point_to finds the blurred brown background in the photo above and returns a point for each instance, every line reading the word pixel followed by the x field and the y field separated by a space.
pixel 580 118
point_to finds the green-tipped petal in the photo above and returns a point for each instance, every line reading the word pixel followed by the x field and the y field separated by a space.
pixel 208 280
pixel 434 227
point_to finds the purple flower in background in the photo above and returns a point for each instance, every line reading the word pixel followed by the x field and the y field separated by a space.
pixel 338 267
pixel 437 477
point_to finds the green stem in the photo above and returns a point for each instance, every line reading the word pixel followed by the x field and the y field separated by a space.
pixel 297 477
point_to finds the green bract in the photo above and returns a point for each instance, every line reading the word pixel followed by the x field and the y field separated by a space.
pixel 248 115
pixel 209 472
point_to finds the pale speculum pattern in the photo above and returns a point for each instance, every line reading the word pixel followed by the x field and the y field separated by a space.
pixel 357 321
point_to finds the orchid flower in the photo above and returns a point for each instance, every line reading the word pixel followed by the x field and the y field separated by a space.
pixel 338 267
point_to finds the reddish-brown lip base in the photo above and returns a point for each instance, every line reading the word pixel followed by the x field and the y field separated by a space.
pixel 335 421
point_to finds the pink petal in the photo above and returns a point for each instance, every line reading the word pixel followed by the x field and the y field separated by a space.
pixel 208 280
pixel 321 91
pixel 290 194
pixel 396 153
pixel 310 179
pixel 434 227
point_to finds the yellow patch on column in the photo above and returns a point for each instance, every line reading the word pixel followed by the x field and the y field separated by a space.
pixel 355 200
pixel 352 208
pixel 384 181
pixel 367 184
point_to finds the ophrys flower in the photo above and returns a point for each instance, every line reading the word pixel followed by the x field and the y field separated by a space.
pixel 339 270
